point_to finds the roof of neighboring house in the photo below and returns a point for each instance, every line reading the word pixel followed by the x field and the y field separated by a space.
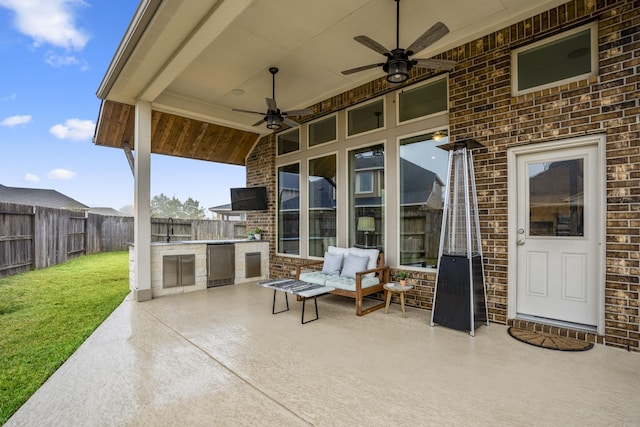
pixel 39 197
pixel 106 212
pixel 223 209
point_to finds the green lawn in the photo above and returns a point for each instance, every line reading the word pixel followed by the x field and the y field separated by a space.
pixel 46 314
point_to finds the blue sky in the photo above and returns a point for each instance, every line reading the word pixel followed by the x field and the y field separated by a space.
pixel 55 53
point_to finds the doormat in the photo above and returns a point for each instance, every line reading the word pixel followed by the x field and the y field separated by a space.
pixel 545 340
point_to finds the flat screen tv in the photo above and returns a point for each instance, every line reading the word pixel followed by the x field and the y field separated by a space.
pixel 249 199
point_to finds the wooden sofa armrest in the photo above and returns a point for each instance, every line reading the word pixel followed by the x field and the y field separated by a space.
pixel 383 275
pixel 305 266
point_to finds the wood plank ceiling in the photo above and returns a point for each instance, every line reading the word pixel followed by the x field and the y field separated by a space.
pixel 174 135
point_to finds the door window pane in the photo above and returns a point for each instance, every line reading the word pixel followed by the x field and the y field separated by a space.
pixel 322 131
pixel 366 210
pixel 289 209
pixel 289 142
pixel 322 204
pixel 423 177
pixel 423 101
pixel 365 118
pixel 556 198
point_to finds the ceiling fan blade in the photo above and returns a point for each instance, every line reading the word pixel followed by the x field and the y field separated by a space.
pixel 271 104
pixel 364 67
pixel 435 64
pixel 372 44
pixel 246 111
pixel 258 123
pixel 303 112
pixel 290 122
pixel 432 35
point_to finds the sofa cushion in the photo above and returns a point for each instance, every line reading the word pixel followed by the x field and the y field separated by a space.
pixel 372 254
pixel 336 250
pixel 332 264
pixel 353 264
pixel 347 284
pixel 316 277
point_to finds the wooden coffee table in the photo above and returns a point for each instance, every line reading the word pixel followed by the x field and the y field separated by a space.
pixel 390 288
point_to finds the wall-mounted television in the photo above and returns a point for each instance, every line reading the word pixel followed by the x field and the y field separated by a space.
pixel 249 199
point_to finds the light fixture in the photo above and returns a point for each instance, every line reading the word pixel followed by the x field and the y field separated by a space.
pixel 397 67
pixel 366 224
pixel 274 122
pixel 438 135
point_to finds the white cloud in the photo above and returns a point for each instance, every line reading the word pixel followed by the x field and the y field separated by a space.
pixel 30 177
pixel 74 129
pixel 61 174
pixel 16 120
pixel 49 21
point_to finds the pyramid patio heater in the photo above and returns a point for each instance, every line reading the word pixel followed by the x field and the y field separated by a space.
pixel 460 300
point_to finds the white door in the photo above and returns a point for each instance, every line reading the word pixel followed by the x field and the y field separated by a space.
pixel 557 234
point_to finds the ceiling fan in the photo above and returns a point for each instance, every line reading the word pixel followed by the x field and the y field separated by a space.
pixel 274 117
pixel 398 63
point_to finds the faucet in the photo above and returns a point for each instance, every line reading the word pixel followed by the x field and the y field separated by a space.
pixel 169 228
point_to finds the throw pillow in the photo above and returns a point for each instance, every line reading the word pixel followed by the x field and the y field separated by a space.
pixel 371 253
pixel 353 264
pixel 332 264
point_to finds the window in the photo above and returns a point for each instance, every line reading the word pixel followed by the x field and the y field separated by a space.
pixel 289 209
pixel 423 169
pixel 289 141
pixel 366 210
pixel 565 58
pixel 322 204
pixel 422 101
pixel 322 131
pixel 364 182
pixel 365 118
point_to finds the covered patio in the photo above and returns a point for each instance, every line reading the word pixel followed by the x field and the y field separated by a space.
pixel 219 357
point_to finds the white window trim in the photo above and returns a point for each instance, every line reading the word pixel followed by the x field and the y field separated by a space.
pixel 594 59
pixel 308 126
pixel 308 209
pixel 299 130
pixel 420 118
pixel 364 104
pixel 277 236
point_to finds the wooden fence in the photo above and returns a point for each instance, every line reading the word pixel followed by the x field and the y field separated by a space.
pixel 34 237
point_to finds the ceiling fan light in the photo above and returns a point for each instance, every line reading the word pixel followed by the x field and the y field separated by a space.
pixel 274 122
pixel 397 72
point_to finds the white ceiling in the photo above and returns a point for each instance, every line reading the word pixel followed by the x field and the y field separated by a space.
pixel 194 53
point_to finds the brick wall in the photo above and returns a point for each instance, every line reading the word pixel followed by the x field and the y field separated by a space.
pixel 482 108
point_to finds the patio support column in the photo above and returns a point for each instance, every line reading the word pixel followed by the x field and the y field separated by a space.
pixel 141 286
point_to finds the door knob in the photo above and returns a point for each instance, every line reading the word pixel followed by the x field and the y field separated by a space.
pixel 520 242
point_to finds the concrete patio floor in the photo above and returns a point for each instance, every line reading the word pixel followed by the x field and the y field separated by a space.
pixel 220 358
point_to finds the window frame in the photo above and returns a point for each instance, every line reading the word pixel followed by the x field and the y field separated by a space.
pixel 362 105
pixel 288 131
pixel 308 125
pixel 277 222
pixel 445 78
pixel 593 27
pixel 308 200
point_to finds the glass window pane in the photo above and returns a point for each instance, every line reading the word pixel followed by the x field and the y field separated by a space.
pixel 423 177
pixel 366 210
pixel 322 131
pixel 322 204
pixel 289 209
pixel 365 118
pixel 558 60
pixel 556 202
pixel 422 101
pixel 289 141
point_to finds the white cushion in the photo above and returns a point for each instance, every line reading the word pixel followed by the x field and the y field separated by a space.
pixel 314 277
pixel 352 265
pixel 372 254
pixel 332 264
pixel 347 284
pixel 336 250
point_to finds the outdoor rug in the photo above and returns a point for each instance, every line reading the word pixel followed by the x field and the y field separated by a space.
pixel 545 340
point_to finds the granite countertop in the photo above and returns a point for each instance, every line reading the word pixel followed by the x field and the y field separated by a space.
pixel 204 242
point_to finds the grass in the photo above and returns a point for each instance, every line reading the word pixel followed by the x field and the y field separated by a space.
pixel 46 314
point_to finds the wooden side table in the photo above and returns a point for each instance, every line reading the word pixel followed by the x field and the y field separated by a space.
pixel 389 289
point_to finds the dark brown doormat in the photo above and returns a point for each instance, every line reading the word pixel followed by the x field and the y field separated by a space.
pixel 545 340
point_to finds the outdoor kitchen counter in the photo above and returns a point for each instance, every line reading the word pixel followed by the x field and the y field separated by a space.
pixel 198 248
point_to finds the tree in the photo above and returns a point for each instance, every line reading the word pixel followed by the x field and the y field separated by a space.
pixel 165 207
